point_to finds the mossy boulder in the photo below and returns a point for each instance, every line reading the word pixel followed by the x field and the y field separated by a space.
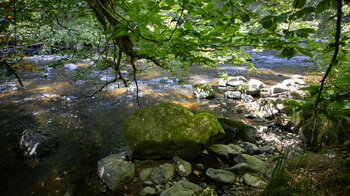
pixel 167 130
pixel 236 128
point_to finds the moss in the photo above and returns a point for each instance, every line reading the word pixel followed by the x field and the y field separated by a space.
pixel 168 129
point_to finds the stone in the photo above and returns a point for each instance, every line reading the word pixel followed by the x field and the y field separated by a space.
pixel 200 166
pixel 147 191
pixel 203 91
pixel 225 151
pixel 163 173
pixel 293 82
pixel 257 83
pixel 159 189
pixel 250 148
pixel 115 171
pixel 268 149
pixel 183 188
pixel 232 95
pixel 245 163
pixel 37 143
pixel 70 67
pixel 246 98
pixel 167 130
pixel 184 168
pixel 222 83
pixel 296 77
pixel 220 175
pixel 253 181
pixel 236 128
pixel 145 174
pixel 279 88
pixel 237 78
pixel 252 90
pixel 235 83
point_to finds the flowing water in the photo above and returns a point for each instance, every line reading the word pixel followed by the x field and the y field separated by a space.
pixel 90 128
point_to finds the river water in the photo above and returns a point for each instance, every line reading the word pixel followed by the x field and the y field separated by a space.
pixel 90 128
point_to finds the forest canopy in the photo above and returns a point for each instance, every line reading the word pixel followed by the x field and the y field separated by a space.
pixel 182 33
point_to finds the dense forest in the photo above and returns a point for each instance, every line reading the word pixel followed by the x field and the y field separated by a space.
pixel 188 97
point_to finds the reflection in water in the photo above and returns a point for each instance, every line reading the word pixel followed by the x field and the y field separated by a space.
pixel 91 128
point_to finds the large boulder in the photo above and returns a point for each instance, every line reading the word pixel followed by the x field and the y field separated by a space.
pixel 183 188
pixel 203 91
pixel 167 130
pixel 37 143
pixel 115 171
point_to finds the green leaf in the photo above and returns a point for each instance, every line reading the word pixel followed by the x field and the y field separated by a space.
pixel 188 25
pixel 323 6
pixel 244 17
pixel 170 2
pixel 299 3
pixel 287 52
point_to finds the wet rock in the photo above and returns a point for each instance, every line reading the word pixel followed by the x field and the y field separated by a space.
pixel 225 151
pixel 145 174
pixel 268 149
pixel 71 66
pixel 252 90
pixel 167 130
pixel 253 181
pixel 147 191
pixel 115 171
pixel 163 173
pixel 236 128
pixel 293 82
pixel 250 148
pixel 184 168
pixel 220 175
pixel 279 88
pixel 246 98
pixel 222 83
pixel 183 188
pixel 232 95
pixel 203 91
pixel 296 77
pixel 37 143
pixel 246 163
pixel 257 83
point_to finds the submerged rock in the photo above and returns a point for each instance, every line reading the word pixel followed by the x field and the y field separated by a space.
pixel 167 130
pixel 37 143
pixel 203 91
pixel 220 175
pixel 184 188
pixel 115 171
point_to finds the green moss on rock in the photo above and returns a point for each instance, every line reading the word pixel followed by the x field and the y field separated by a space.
pixel 168 130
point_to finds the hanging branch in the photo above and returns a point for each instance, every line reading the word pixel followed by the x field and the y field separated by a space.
pixel 335 54
pixel 331 64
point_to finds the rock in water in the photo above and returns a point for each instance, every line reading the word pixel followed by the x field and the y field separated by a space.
pixel 115 171
pixel 203 91
pixel 184 188
pixel 71 67
pixel 167 130
pixel 220 175
pixel 37 143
